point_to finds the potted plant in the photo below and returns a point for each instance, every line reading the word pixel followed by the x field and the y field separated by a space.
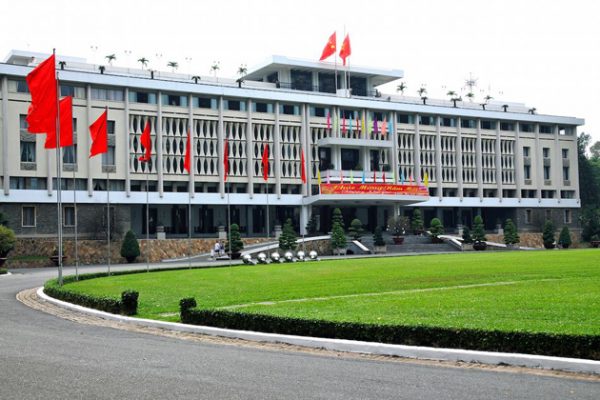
pixel 379 246
pixel 130 248
pixel 564 238
pixel 338 239
pixel 234 245
pixel 7 242
pixel 356 230
pixel 417 222
pixel 436 229
pixel 479 234
pixel 511 237
pixel 54 256
pixel 398 224
pixel 548 235
pixel 287 239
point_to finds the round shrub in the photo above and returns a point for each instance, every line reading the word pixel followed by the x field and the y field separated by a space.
pixel 130 248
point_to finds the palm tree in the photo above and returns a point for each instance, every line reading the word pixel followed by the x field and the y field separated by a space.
pixel 173 64
pixel 196 78
pixel 216 65
pixel 401 88
pixel 532 110
pixel 455 99
pixel 143 61
pixel 487 98
pixel 102 68
pixel 62 64
pixel 242 70
pixel 505 107
pixel 422 91
pixel 111 58
pixel 451 94
pixel 470 96
pixel 424 98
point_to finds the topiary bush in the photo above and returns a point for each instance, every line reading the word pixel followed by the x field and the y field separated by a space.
pixel 378 237
pixel 338 238
pixel 417 222
pixel 235 241
pixel 129 302
pixel 511 237
pixel 478 229
pixel 338 217
pixel 130 248
pixel 287 240
pixel 466 236
pixel 564 238
pixel 436 228
pixel 548 235
pixel 356 230
pixel 7 240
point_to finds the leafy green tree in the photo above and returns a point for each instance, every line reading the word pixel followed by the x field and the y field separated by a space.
pixel 590 221
pixel 466 236
pixel 436 228
pixel 235 241
pixel 3 220
pixel 338 237
pixel 378 237
pixel 356 230
pixel 337 217
pixel 7 240
pixel 311 226
pixel 478 229
pixel 130 248
pixel 510 233
pixel 287 240
pixel 417 222
pixel 548 235
pixel 589 174
pixel 564 238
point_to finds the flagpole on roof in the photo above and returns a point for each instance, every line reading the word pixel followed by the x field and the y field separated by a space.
pixel 58 183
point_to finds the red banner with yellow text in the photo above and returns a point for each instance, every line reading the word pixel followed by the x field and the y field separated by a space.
pixel 374 188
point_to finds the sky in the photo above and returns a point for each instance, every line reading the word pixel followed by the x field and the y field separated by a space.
pixel 545 54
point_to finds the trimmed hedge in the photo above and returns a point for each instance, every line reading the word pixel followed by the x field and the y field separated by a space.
pixel 577 346
pixel 3 271
pixel 127 305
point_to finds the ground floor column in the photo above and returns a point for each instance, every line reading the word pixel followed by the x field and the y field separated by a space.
pixel 305 212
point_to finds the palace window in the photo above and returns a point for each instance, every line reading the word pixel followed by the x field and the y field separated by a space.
pixel 28 216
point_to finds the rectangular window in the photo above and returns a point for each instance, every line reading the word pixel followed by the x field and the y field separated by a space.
pixel 108 94
pixel 76 92
pixel 301 80
pixel 450 122
pixel 263 107
pixel 528 216
pixel 141 97
pixel 70 154
pixel 545 128
pixel 27 151
pixel 546 173
pixel 546 152
pixel 28 216
pixel 205 102
pixel 405 119
pixel 526 127
pixel 526 151
pixel 426 120
pixel 69 216
pixel 110 127
pixel 526 172
pixel 487 124
pixel 565 153
pixel 567 194
pixel 467 123
pixel 108 158
pixel 568 217
pixel 235 105
pixel 174 100
pixel 507 126
pixel 566 173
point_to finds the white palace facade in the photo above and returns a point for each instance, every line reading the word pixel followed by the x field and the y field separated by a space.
pixel 500 160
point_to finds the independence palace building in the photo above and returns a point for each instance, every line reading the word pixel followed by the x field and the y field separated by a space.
pixel 371 154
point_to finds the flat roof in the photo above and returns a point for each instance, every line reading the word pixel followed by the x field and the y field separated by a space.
pixel 276 63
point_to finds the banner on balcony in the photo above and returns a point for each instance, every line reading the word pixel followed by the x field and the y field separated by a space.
pixel 374 188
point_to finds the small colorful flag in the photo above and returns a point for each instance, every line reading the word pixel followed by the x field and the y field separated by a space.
pixel 328 181
pixel 384 126
pixel 328 120
pixel 343 125
pixel 402 178
pixel 426 179
pixel 375 126
pixel 319 176
pixel 350 125
pixel 351 174
pixel 302 166
pixel 363 176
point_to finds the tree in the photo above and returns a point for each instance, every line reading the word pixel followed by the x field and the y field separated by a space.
pixel 451 94
pixel 216 66
pixel 398 224
pixel 510 233
pixel 337 217
pixel 466 236
pixel 470 96
pixel 311 225
pixel 287 240
pixel 110 58
pixel 242 70
pixel 401 88
pixel 173 65
pixel 436 228
pixel 338 237
pixel 417 222
pixel 143 61
pixel 589 174
pixel 130 248
pixel 478 229
pixel 7 240
pixel 235 241
pixel 378 237
pixel 548 235
pixel 564 238
pixel 590 221
pixel 196 78
pixel 422 91
pixel 595 150
pixel 356 230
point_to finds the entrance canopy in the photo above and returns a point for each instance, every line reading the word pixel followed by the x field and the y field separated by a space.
pixel 368 193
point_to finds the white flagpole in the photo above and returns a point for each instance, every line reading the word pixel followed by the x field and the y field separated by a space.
pixel 107 217
pixel 58 183
pixel 75 212
pixel 267 193
pixel 147 223
pixel 228 189
pixel 190 225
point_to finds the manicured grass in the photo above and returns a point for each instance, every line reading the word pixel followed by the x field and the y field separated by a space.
pixel 538 291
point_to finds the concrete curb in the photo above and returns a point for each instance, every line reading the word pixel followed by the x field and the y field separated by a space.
pixel 427 353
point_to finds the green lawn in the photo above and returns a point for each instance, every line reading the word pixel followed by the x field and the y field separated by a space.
pixel 533 291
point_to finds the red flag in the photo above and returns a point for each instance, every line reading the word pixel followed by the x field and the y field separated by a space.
pixel 66 126
pixel 329 47
pixel 99 134
pixel 345 51
pixel 146 143
pixel 226 160
pixel 187 162
pixel 265 162
pixel 41 116
pixel 302 167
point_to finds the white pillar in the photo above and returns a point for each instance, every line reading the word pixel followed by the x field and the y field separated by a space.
pixel 5 184
pixel 479 162
pixel 304 217
pixel 498 162
pixel 276 152
pixel 459 162
pixel 125 142
pixel 438 156
pixel 417 149
pixel 221 147
pixel 249 150
pixel 159 146
pixel 518 163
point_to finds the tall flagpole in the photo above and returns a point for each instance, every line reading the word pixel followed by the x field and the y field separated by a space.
pixel 58 183
pixel 228 189
pixel 107 217
pixel 190 223
pixel 147 223
pixel 75 212
pixel 267 193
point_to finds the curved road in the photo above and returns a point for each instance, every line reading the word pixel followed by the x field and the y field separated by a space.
pixel 43 356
